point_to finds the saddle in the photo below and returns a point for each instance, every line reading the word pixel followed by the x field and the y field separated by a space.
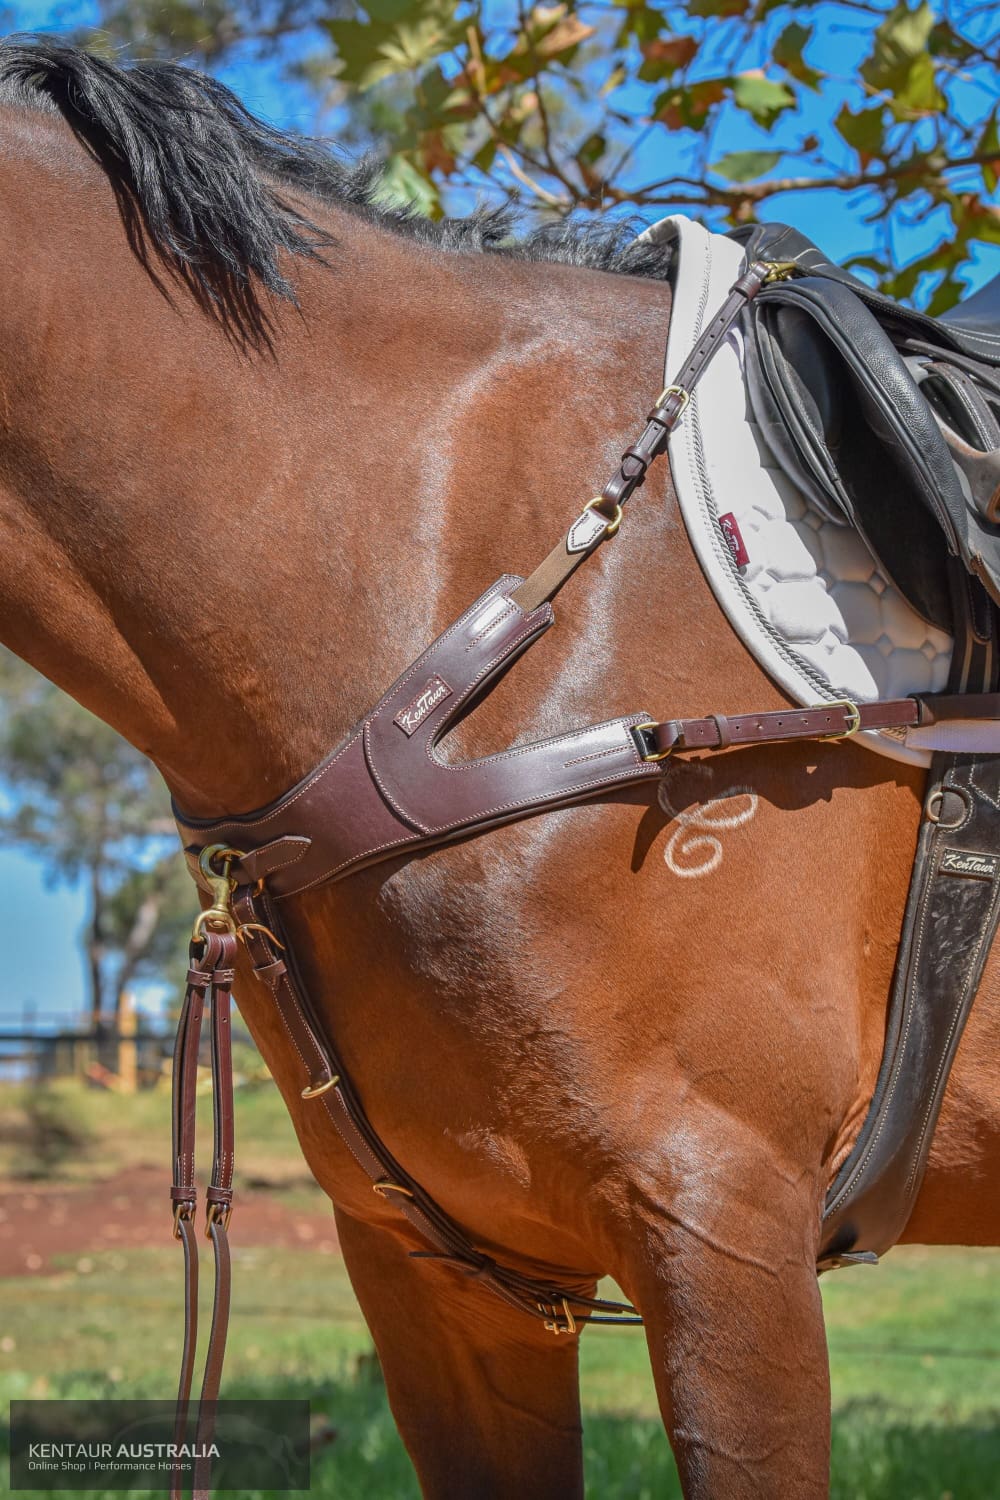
pixel 887 419
pixel 386 793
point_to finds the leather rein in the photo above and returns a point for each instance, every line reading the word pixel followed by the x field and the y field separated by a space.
pixel 384 792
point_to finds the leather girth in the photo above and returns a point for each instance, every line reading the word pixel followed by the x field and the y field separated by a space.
pixel 948 929
pixel 949 926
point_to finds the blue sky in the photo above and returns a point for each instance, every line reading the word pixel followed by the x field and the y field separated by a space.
pixel 43 967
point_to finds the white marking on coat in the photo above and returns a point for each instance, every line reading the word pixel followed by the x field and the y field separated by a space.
pixel 695 837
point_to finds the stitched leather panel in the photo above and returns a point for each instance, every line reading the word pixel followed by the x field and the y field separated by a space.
pixel 950 922
pixel 387 789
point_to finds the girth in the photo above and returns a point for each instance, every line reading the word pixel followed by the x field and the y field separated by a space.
pixel 387 791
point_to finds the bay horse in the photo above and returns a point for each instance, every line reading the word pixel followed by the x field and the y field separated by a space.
pixel 262 438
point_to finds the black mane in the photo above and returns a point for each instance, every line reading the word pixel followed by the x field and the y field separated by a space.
pixel 200 178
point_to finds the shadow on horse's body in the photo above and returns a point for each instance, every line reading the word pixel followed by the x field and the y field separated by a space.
pixel 227 541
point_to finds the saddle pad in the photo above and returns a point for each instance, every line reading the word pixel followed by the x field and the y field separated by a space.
pixel 804 594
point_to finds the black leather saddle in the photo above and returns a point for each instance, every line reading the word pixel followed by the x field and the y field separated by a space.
pixel 887 418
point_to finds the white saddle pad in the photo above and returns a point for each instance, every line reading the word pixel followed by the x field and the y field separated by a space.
pixel 809 601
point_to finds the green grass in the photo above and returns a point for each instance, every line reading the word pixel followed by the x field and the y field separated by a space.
pixel 114 1132
pixel 915 1344
pixel 914 1354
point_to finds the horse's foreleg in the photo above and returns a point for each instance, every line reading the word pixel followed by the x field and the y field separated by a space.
pixel 486 1401
pixel 736 1338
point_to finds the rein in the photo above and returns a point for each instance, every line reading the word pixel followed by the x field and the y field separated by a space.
pixel 384 792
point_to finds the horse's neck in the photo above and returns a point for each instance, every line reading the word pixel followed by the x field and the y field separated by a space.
pixel 228 557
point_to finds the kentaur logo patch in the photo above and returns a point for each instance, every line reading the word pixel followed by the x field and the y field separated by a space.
pixel 967 862
pixel 434 691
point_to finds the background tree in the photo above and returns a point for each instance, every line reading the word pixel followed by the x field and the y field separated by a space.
pixel 714 107
pixel 96 812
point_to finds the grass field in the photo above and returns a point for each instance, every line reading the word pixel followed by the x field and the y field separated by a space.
pixel 915 1355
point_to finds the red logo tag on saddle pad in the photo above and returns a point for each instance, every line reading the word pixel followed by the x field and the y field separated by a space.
pixel 434 691
pixel 733 538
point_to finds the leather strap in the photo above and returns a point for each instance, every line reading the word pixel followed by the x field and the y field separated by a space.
pixel 827 721
pixel 600 519
pixel 562 1308
pixel 210 976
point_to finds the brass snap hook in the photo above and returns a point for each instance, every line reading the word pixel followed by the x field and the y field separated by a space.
pixel 219 916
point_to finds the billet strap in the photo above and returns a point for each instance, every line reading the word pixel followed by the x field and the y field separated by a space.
pixel 601 517
pixel 836 720
pixel 210 977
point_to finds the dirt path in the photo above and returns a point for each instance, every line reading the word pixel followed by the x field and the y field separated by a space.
pixel 132 1209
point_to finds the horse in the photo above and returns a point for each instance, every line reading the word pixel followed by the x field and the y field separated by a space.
pixel 261 437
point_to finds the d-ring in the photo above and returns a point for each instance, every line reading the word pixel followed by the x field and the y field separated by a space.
pixel 611 527
pixel 314 1090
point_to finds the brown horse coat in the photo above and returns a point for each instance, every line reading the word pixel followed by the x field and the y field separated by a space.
pixel 597 1066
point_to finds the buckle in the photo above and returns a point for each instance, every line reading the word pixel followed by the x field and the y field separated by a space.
pixel 183 1210
pixel 651 756
pixel 683 400
pixel 854 719
pixel 611 527
pixel 217 1213
pixel 552 1314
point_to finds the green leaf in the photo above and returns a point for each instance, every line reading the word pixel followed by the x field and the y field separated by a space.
pixel 486 154
pixel 642 22
pixel 370 52
pixel 788 50
pixel 901 65
pixel 664 55
pixel 761 97
pixel 388 11
pixel 592 149
pixel 718 7
pixel 948 293
pixel 402 182
pixel 863 130
pixel 744 166
pixel 989 142
pixel 689 107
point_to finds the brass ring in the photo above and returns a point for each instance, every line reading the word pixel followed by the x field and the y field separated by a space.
pixel 313 1091
pixel 384 1186
pixel 934 802
pixel 259 927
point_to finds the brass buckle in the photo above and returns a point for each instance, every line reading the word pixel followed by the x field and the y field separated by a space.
pixel 611 527
pixel 780 270
pixel 568 1325
pixel 854 722
pixel 654 755
pixel 313 1091
pixel 183 1210
pixel 217 1213
pixel 683 395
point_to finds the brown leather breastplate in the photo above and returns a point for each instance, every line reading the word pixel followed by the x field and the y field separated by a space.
pixel 387 791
